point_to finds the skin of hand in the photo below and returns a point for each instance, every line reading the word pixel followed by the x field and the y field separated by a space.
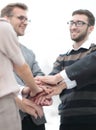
pixel 38 81
pixel 26 92
pixel 54 90
pixel 41 99
pixel 45 99
pixel 57 89
pixel 29 106
pixel 50 79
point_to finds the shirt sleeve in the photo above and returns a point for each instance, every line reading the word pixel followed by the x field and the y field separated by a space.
pixel 19 95
pixel 9 45
pixel 70 83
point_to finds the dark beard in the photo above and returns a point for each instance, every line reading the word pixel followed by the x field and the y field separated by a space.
pixel 80 38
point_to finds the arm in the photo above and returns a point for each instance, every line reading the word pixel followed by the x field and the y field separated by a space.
pixel 30 58
pixel 35 66
pixel 25 74
pixel 81 72
pixel 11 49
pixel 84 70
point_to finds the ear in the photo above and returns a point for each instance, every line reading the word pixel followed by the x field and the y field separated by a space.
pixel 91 28
pixel 7 18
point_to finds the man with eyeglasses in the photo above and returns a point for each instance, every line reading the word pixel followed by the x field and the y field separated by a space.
pixel 16 14
pixel 78 99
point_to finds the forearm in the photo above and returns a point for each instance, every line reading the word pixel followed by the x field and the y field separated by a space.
pixel 26 75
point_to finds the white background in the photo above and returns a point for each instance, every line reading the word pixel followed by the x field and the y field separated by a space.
pixel 48 36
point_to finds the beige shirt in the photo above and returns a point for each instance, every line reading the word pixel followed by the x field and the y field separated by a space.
pixel 9 53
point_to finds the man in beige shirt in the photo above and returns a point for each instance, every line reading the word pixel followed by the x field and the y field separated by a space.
pixel 11 59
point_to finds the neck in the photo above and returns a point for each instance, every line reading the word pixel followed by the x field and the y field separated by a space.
pixel 76 45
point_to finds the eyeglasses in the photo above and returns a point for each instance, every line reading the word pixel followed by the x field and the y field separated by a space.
pixel 77 23
pixel 22 18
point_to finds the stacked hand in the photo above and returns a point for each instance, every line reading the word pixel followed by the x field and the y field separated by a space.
pixel 45 99
pixel 29 105
pixel 49 87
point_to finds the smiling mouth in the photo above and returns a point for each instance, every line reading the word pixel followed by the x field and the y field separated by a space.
pixel 73 34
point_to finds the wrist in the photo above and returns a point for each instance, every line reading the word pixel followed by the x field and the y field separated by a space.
pixel 62 85
pixel 58 78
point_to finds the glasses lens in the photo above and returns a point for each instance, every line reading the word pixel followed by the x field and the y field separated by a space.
pixel 77 23
pixel 22 18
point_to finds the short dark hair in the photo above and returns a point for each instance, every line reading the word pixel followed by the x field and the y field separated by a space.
pixel 91 18
pixel 7 10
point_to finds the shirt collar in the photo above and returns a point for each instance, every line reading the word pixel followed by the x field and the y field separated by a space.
pixel 3 19
pixel 85 45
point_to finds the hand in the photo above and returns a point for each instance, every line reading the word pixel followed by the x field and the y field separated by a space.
pixel 41 99
pixel 57 89
pixel 38 81
pixel 45 89
pixel 51 79
pixel 30 107
pixel 26 92
pixel 46 99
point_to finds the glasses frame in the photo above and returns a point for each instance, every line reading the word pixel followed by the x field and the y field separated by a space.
pixel 21 18
pixel 77 23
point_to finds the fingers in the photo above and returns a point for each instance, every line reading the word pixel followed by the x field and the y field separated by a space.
pixel 32 93
pixel 45 79
pixel 26 91
pixel 38 80
pixel 32 112
pixel 39 110
pixel 43 99
pixel 33 109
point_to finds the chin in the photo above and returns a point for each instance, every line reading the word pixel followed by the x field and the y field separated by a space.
pixel 21 34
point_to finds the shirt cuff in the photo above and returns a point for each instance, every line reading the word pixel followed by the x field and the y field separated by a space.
pixel 19 95
pixel 70 83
